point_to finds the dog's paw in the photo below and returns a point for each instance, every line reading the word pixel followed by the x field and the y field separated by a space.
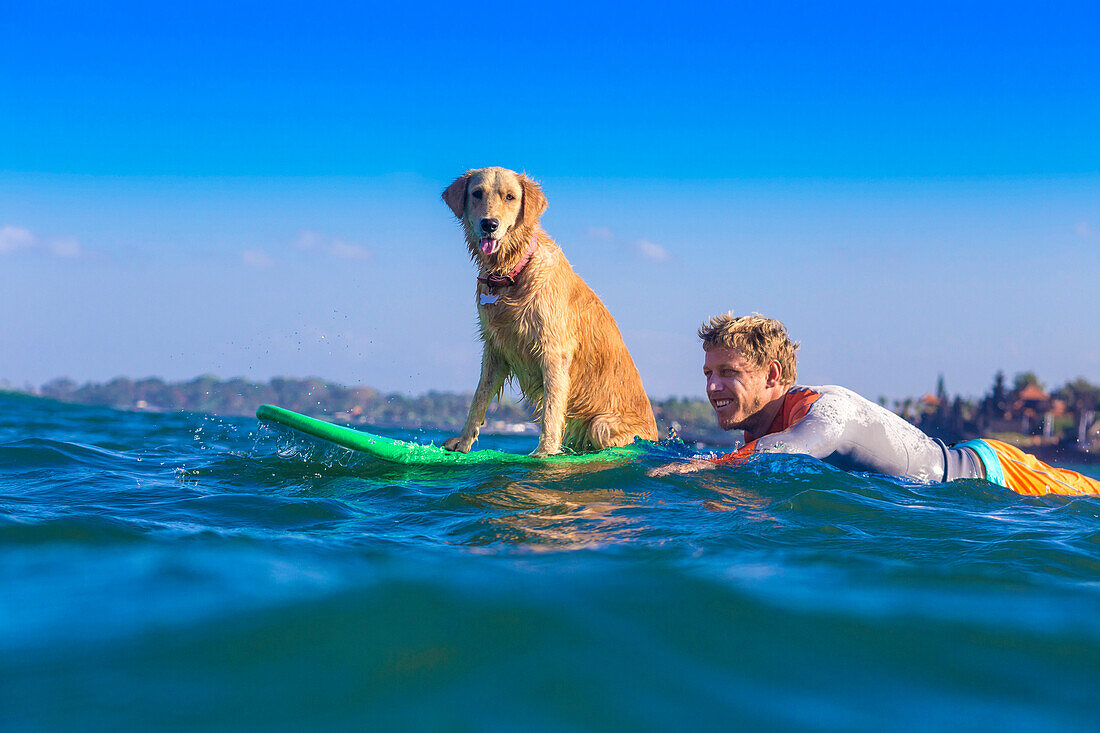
pixel 458 443
pixel 546 450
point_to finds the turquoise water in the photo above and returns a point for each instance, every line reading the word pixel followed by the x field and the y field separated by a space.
pixel 164 572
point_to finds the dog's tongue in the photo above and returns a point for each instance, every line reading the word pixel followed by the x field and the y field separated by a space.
pixel 488 246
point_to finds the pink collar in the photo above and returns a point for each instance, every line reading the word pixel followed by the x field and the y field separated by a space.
pixel 493 280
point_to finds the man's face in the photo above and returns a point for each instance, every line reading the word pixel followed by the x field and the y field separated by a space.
pixel 737 390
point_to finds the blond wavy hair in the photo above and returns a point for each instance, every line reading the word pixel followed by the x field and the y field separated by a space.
pixel 759 339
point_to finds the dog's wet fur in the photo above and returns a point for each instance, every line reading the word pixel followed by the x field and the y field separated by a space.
pixel 548 331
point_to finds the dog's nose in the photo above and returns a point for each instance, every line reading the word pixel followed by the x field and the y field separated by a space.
pixel 489 225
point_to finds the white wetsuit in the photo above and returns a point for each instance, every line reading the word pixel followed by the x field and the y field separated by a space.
pixel 850 432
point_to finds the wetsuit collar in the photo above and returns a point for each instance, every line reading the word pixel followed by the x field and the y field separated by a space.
pixel 776 424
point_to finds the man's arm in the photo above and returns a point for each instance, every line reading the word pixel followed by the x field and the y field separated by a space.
pixel 695 464
pixel 818 434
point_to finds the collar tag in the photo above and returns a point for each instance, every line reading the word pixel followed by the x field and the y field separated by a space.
pixel 489 299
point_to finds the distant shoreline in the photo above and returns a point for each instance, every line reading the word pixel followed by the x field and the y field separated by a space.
pixel 690 419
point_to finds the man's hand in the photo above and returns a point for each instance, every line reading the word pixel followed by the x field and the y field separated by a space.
pixel 696 464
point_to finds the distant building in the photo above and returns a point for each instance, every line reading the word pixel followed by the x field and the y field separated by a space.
pixel 1028 410
pixel 930 403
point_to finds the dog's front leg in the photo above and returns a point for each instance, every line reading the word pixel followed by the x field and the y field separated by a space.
pixel 493 373
pixel 555 391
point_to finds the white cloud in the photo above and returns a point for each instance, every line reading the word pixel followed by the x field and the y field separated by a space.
pixel 603 234
pixel 12 238
pixel 311 241
pixel 307 240
pixel 650 250
pixel 640 247
pixel 67 248
pixel 257 259
pixel 347 251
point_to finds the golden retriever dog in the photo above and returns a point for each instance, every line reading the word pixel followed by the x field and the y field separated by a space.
pixel 542 325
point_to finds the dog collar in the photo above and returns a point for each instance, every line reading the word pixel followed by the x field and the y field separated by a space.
pixel 494 280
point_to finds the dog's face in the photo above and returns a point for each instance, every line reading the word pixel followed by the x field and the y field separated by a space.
pixel 498 208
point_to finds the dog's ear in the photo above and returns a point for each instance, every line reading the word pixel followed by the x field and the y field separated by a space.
pixel 534 201
pixel 455 195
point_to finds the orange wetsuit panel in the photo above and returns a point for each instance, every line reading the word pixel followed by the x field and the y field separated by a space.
pixel 796 405
pixel 1026 474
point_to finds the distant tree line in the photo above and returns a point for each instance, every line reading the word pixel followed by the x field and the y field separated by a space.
pixel 1024 413
pixel 691 418
pixel 311 396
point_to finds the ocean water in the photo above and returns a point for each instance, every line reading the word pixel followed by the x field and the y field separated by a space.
pixel 188 572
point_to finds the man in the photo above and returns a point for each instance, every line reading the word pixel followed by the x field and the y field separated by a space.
pixel 751 368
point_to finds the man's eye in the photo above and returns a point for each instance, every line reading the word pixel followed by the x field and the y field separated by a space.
pixel 476 194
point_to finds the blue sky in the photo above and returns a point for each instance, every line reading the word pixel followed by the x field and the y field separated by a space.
pixel 254 190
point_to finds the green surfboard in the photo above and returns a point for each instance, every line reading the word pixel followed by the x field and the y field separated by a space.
pixel 417 454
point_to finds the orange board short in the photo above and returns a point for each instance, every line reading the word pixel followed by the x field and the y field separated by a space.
pixel 1026 474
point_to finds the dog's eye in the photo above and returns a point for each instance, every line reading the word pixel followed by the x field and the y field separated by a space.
pixel 509 197
pixel 476 194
